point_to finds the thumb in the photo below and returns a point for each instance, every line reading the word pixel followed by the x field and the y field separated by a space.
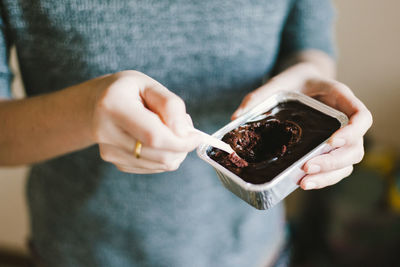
pixel 247 102
pixel 168 106
pixel 251 100
pixel 258 96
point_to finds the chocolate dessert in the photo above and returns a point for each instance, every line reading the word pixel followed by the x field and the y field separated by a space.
pixel 273 141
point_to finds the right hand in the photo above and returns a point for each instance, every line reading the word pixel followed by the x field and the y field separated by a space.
pixel 129 107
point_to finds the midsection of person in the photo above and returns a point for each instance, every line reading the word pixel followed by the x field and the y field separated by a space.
pixel 196 49
pixel 85 212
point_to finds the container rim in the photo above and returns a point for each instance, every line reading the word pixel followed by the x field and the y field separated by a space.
pixel 266 105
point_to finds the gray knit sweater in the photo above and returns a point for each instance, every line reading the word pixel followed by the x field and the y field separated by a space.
pixel 83 211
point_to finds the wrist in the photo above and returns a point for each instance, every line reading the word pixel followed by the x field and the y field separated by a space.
pixel 80 101
pixel 57 123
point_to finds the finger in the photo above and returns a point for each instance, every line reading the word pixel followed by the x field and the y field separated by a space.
pixel 118 138
pixel 161 156
pixel 289 80
pixel 137 170
pixel 339 96
pixel 189 120
pixel 119 156
pixel 114 135
pixel 256 97
pixel 334 94
pixel 336 159
pixel 167 105
pixel 127 143
pixel 358 125
pixel 320 180
pixel 147 127
pixel 130 114
pixel 247 102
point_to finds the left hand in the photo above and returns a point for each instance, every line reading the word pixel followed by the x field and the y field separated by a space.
pixel 347 142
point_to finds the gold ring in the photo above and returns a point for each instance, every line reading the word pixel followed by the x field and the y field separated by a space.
pixel 138 149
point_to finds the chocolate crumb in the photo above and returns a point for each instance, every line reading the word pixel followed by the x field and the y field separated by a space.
pixel 237 161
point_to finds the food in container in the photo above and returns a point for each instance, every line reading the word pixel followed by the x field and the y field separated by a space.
pixel 273 141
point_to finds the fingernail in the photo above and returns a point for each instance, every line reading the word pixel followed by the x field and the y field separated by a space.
pixel 310 185
pixel 313 168
pixel 338 142
pixel 238 112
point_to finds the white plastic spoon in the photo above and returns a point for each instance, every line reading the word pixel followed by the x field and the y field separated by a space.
pixel 215 142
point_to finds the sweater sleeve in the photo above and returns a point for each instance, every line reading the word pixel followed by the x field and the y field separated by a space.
pixel 309 25
pixel 5 72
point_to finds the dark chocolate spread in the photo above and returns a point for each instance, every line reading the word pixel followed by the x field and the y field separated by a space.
pixel 271 144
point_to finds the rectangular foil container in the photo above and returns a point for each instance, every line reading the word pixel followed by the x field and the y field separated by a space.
pixel 265 196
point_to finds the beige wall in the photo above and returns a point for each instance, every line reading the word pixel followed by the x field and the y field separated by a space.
pixel 369 62
pixel 14 229
pixel 13 213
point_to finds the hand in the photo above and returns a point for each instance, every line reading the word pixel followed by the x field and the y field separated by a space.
pixel 129 107
pixel 347 142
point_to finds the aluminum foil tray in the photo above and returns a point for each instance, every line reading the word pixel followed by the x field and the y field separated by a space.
pixel 265 196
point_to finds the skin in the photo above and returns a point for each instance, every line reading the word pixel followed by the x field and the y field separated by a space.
pixel 113 111
pixel 116 110
pixel 312 73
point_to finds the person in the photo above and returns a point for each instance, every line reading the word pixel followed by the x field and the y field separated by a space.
pixel 112 181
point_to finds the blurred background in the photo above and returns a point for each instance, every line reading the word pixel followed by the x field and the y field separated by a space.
pixel 355 223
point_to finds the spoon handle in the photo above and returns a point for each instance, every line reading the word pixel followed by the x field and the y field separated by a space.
pixel 215 142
